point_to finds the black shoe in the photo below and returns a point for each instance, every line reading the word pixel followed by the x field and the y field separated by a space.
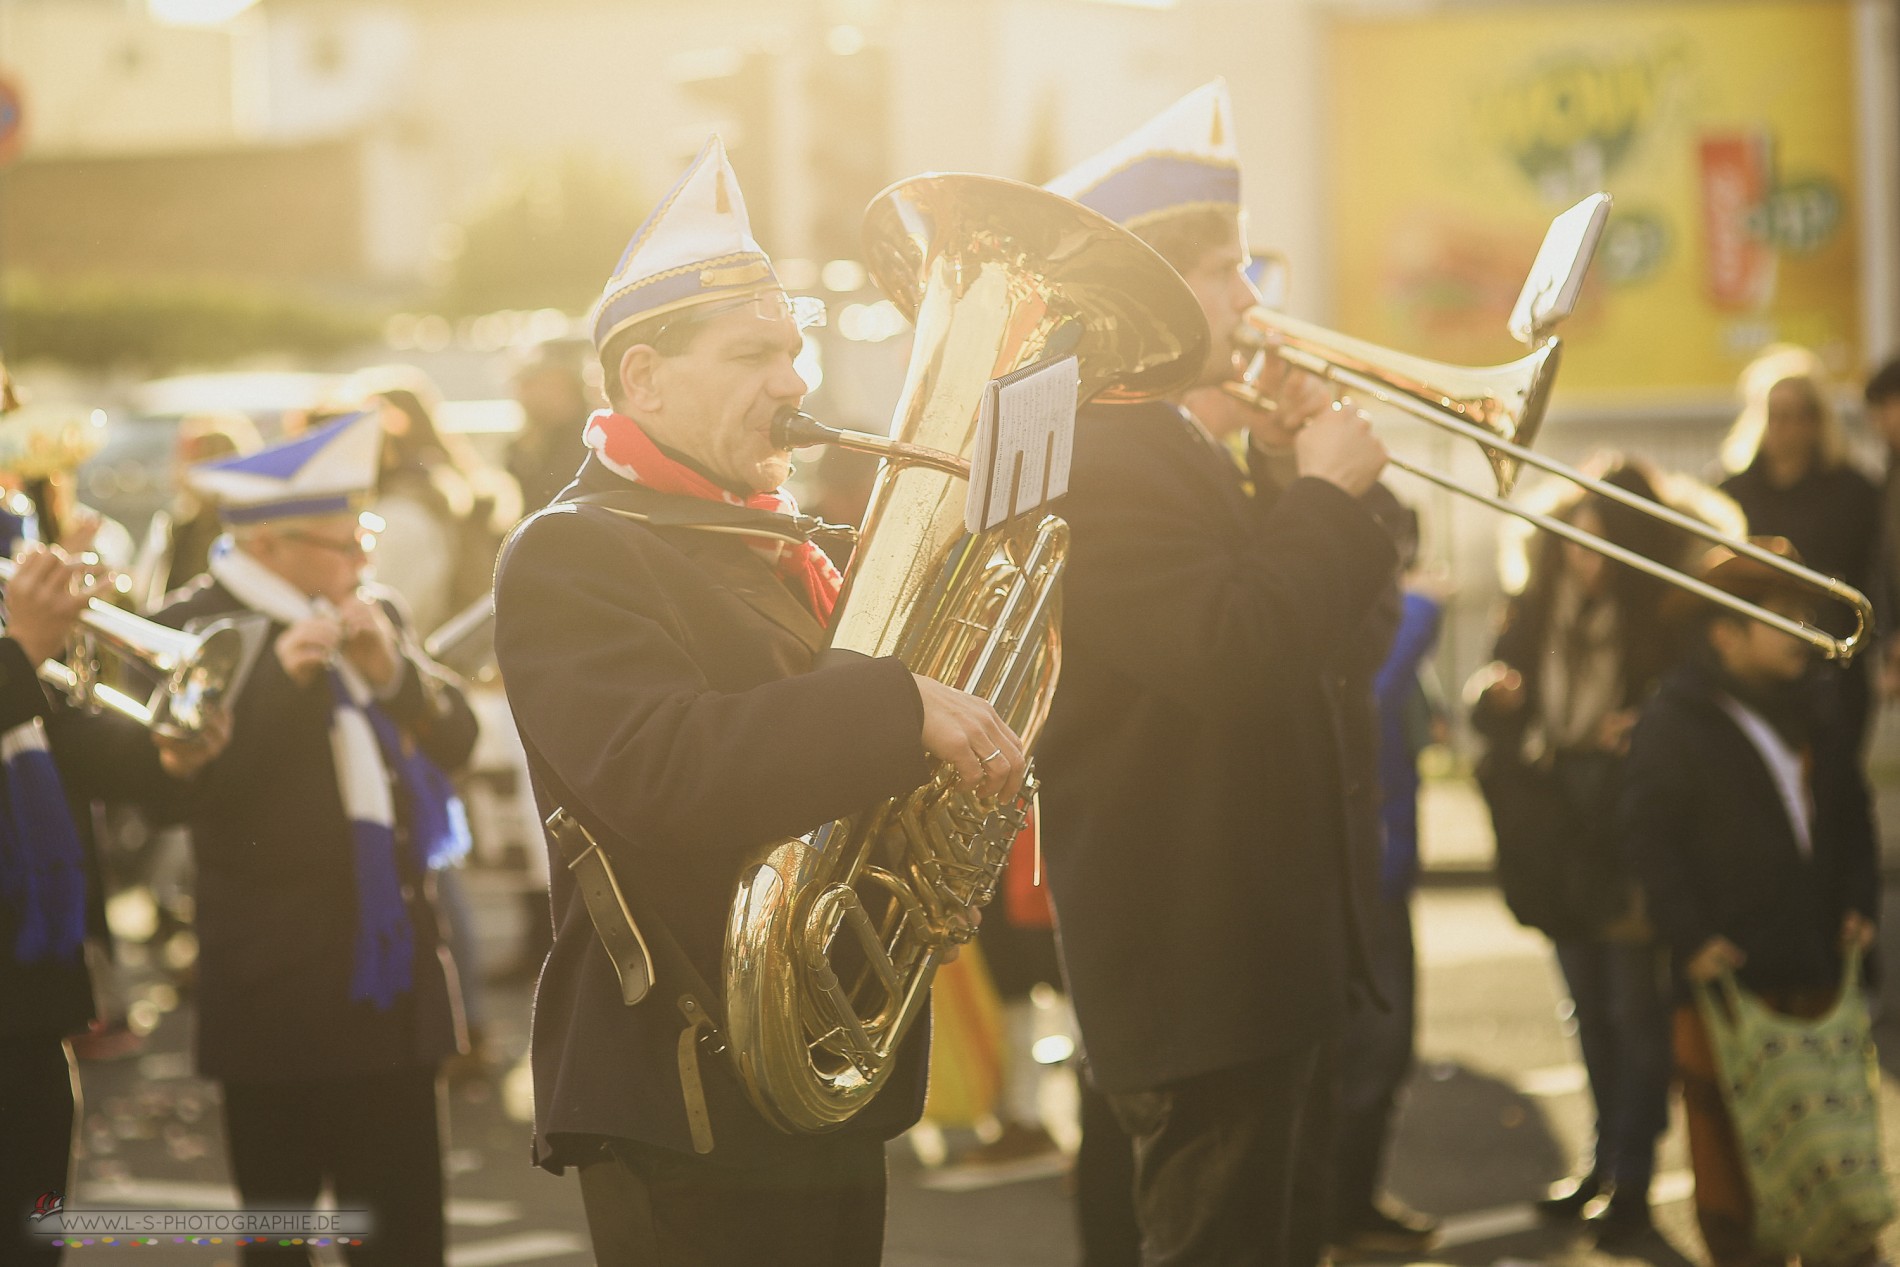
pixel 1623 1221
pixel 1388 1226
pixel 1567 1199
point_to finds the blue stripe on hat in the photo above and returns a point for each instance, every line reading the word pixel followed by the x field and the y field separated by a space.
pixel 676 289
pixel 295 509
pixel 1161 183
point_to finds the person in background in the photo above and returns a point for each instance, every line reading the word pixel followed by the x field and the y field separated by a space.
pixel 1793 478
pixel 57 759
pixel 551 387
pixel 324 996
pixel 177 545
pixel 423 495
pixel 1883 417
pixel 1747 818
pixel 1580 650
pixel 1376 1054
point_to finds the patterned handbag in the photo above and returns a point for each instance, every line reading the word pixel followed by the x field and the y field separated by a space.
pixel 1805 1102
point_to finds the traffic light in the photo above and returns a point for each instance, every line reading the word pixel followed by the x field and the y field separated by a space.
pixel 848 149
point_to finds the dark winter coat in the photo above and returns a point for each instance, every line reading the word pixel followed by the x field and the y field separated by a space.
pixel 1194 806
pixel 276 881
pixel 663 683
pixel 1706 832
pixel 102 757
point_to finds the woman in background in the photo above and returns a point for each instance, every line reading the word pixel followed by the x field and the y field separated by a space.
pixel 1581 648
pixel 1793 479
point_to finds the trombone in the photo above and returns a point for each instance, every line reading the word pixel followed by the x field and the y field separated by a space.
pixel 196 672
pixel 1501 407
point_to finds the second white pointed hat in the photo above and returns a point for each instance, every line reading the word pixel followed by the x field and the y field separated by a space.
pixel 1183 159
pixel 696 246
pixel 325 472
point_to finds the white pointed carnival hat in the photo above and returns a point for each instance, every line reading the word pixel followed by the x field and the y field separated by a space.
pixel 326 472
pixel 1183 159
pixel 696 246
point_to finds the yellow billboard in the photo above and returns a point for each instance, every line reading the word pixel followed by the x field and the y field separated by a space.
pixel 1724 130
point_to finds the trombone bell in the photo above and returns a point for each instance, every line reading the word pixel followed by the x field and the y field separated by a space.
pixel 1506 400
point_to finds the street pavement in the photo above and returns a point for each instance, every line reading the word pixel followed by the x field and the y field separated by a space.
pixel 1496 1110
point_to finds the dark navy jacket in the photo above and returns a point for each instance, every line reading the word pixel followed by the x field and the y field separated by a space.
pixel 1195 764
pixel 1707 833
pixel 663 683
pixel 276 886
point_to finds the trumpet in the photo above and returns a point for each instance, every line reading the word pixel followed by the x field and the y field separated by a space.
pixel 195 672
pixel 1500 408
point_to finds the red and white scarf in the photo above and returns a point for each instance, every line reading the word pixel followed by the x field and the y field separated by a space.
pixel 630 453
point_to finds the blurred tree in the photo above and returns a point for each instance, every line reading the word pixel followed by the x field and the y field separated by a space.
pixel 158 326
pixel 547 239
pixel 850 142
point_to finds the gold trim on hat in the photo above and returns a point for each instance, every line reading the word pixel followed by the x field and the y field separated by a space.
pixel 736 275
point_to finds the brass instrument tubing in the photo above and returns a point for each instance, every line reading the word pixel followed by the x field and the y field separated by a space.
pixel 1829 645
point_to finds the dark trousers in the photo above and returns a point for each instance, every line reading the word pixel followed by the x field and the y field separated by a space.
pixel 1621 994
pixel 36 1136
pixel 1215 1161
pixel 649 1207
pixel 375 1138
pixel 1375 1058
pixel 1105 1187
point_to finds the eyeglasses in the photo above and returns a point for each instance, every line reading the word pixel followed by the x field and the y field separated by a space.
pixel 803 311
pixel 358 547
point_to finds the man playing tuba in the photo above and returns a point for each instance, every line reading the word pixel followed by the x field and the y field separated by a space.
pixel 1192 785
pixel 658 627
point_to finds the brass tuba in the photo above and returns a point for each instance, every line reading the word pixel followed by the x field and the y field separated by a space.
pixel 833 937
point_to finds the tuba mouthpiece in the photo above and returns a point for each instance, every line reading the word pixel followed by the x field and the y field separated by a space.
pixel 797 429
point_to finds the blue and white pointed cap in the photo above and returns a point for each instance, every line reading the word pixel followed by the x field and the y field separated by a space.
pixel 695 247
pixel 1183 159
pixel 328 471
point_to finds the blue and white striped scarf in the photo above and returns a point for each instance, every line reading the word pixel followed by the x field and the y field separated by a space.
pixel 375 763
pixel 42 864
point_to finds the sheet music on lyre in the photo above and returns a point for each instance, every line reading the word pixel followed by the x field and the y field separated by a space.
pixel 1025 436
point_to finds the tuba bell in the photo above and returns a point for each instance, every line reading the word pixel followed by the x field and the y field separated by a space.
pixel 193 672
pixel 833 937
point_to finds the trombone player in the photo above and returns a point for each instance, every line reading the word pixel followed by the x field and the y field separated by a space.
pixel 1191 766
pixel 668 688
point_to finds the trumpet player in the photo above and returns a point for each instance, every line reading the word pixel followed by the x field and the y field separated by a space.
pixel 324 1001
pixel 54 758
pixel 669 691
pixel 1192 766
